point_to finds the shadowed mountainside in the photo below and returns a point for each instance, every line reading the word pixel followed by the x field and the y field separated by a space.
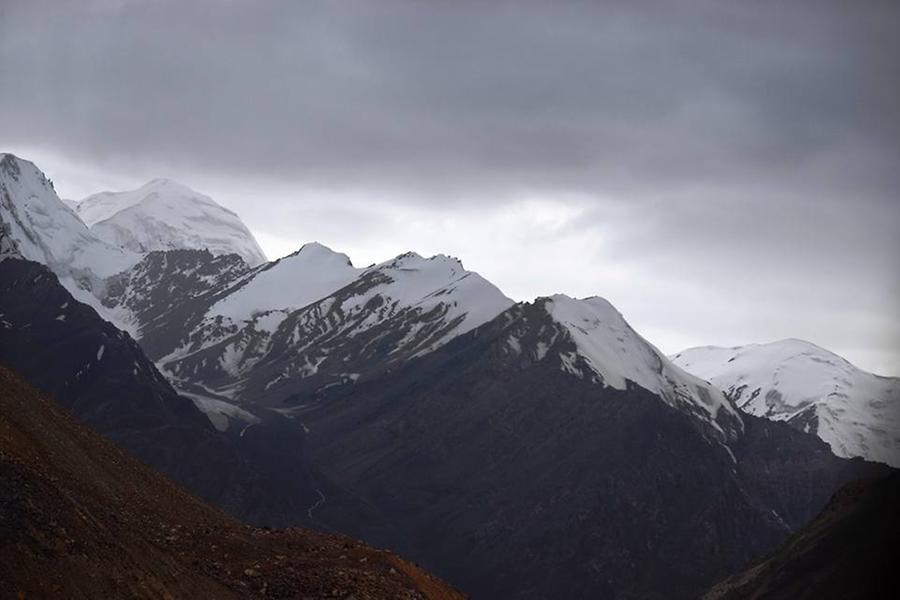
pixel 848 551
pixel 81 518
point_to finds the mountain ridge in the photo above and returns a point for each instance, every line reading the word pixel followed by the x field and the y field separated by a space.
pixel 857 413
pixel 520 449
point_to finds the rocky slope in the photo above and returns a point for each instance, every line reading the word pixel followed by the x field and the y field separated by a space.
pixel 304 323
pixel 100 375
pixel 855 412
pixel 846 552
pixel 80 518
pixel 166 215
pixel 540 480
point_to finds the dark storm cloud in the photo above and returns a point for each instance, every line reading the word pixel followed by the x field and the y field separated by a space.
pixel 722 141
pixel 628 96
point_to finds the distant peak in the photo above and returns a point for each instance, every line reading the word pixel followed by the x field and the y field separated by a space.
pixel 11 162
pixel 558 298
pixel 9 158
pixel 13 166
pixel 319 251
pixel 414 260
pixel 159 181
pixel 164 214
pixel 443 258
pixel 315 247
pixel 164 183
pixel 793 342
pixel 409 255
pixel 595 302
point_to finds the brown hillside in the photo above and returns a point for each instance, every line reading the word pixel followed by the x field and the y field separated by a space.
pixel 80 518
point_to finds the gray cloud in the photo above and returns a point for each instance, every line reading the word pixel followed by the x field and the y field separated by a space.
pixel 626 96
pixel 724 142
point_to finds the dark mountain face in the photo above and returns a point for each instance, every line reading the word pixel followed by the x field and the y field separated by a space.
pixel 100 375
pixel 89 366
pixel 80 518
pixel 514 478
pixel 847 552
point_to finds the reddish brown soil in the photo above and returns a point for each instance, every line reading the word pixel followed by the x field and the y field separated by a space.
pixel 80 518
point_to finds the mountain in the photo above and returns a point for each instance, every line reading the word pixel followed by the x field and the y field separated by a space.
pixel 855 412
pixel 80 518
pixel 251 463
pixel 846 552
pixel 40 227
pixel 520 450
pixel 303 323
pixel 166 215
pixel 521 460
pixel 610 352
pixel 36 225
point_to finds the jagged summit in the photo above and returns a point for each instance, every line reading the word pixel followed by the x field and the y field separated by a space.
pixel 319 251
pixel 164 214
pixel 311 319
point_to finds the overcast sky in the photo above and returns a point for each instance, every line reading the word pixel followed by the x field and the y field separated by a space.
pixel 724 173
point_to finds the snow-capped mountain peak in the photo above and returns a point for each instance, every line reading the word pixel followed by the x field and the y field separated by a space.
pixel 464 298
pixel 166 215
pixel 413 277
pixel 102 205
pixel 312 319
pixel 47 231
pixel 857 413
pixel 290 283
pixel 323 254
pixel 608 349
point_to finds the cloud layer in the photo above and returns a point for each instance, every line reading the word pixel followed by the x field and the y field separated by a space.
pixel 724 172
